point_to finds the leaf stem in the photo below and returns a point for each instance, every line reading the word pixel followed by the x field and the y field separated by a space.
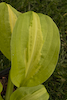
pixel 10 87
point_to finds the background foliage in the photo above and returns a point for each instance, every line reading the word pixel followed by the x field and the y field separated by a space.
pixel 57 10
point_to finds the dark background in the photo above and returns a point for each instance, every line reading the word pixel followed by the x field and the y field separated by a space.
pixel 57 9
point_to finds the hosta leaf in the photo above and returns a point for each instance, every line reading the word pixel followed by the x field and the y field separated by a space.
pixel 8 17
pixel 1 87
pixel 30 93
pixel 35 46
pixel 1 98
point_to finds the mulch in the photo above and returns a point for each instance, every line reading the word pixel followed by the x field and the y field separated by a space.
pixel 4 81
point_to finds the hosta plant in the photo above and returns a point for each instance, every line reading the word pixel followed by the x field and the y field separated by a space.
pixel 35 46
